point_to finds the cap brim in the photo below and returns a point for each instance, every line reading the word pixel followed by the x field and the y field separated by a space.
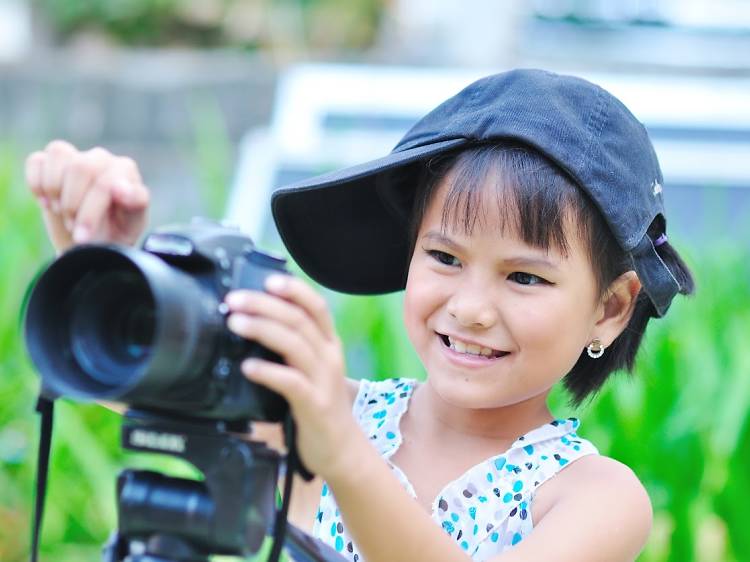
pixel 345 231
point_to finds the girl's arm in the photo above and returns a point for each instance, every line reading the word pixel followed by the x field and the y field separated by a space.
pixel 305 494
pixel 604 515
pixel 385 522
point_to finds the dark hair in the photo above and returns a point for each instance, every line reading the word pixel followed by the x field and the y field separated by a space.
pixel 534 200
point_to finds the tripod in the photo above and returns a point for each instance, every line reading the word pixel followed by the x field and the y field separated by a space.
pixel 230 512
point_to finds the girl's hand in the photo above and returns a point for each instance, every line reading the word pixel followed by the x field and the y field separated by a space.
pixel 87 196
pixel 293 321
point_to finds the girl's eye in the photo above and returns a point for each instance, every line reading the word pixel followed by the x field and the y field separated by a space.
pixel 443 257
pixel 523 278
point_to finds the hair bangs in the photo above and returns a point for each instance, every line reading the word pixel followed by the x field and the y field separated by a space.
pixel 505 187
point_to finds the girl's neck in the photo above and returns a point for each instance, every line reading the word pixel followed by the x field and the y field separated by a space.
pixel 506 423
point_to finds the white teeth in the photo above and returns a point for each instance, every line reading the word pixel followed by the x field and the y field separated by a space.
pixel 470 348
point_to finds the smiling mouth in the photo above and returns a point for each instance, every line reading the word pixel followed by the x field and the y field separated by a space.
pixel 470 349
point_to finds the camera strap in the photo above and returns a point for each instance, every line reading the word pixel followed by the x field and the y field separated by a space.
pixel 293 465
pixel 45 407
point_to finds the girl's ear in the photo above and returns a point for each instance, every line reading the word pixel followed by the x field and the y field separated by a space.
pixel 617 307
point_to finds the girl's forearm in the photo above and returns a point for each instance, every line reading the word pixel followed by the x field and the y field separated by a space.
pixel 367 492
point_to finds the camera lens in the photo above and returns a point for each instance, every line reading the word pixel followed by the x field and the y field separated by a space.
pixel 109 323
pixel 113 325
pixel 134 330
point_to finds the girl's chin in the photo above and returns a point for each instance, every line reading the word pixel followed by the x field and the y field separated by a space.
pixel 464 391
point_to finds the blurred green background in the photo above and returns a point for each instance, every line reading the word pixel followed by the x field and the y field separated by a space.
pixel 682 423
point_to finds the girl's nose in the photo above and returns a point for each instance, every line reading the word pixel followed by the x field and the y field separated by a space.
pixel 472 310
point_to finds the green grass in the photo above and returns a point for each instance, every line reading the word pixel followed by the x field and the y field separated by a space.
pixel 681 422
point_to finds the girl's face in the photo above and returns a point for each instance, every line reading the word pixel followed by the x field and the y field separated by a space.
pixel 494 320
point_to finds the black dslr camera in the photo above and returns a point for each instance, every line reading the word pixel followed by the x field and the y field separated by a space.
pixel 147 328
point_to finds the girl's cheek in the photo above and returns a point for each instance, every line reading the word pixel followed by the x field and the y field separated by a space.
pixel 548 331
pixel 534 320
pixel 417 307
pixel 410 312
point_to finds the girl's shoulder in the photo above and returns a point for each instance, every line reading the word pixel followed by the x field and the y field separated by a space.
pixel 595 498
pixel 596 479
pixel 599 468
pixel 597 494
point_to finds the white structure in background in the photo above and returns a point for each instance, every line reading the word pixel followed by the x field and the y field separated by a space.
pixel 703 14
pixel 15 29
pixel 473 33
pixel 332 116
pixel 716 14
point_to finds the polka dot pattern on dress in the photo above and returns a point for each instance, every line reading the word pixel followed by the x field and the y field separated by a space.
pixel 487 510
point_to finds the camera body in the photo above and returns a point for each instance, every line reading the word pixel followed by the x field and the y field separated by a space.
pixel 148 327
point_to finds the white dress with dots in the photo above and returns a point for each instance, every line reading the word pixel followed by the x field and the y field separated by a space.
pixel 486 509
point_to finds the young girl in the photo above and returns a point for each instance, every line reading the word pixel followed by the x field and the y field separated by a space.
pixel 524 218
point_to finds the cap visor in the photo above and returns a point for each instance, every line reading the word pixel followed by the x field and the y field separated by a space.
pixel 343 232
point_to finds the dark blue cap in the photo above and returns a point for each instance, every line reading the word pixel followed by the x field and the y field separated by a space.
pixel 348 229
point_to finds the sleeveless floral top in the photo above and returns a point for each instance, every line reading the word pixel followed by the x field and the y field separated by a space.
pixel 487 509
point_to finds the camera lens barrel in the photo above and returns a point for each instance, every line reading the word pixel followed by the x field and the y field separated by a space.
pixel 115 323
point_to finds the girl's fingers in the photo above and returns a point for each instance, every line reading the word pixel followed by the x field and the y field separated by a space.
pixel 128 191
pixel 131 195
pixel 114 185
pixel 282 379
pixel 300 293
pixel 256 303
pixel 87 196
pixel 33 169
pixel 57 154
pixel 294 349
pixel 92 210
pixel 79 176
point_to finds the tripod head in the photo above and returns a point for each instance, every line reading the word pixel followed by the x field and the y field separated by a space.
pixel 229 512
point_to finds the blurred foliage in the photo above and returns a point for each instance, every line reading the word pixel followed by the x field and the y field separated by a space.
pixel 211 151
pixel 682 423
pixel 301 25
